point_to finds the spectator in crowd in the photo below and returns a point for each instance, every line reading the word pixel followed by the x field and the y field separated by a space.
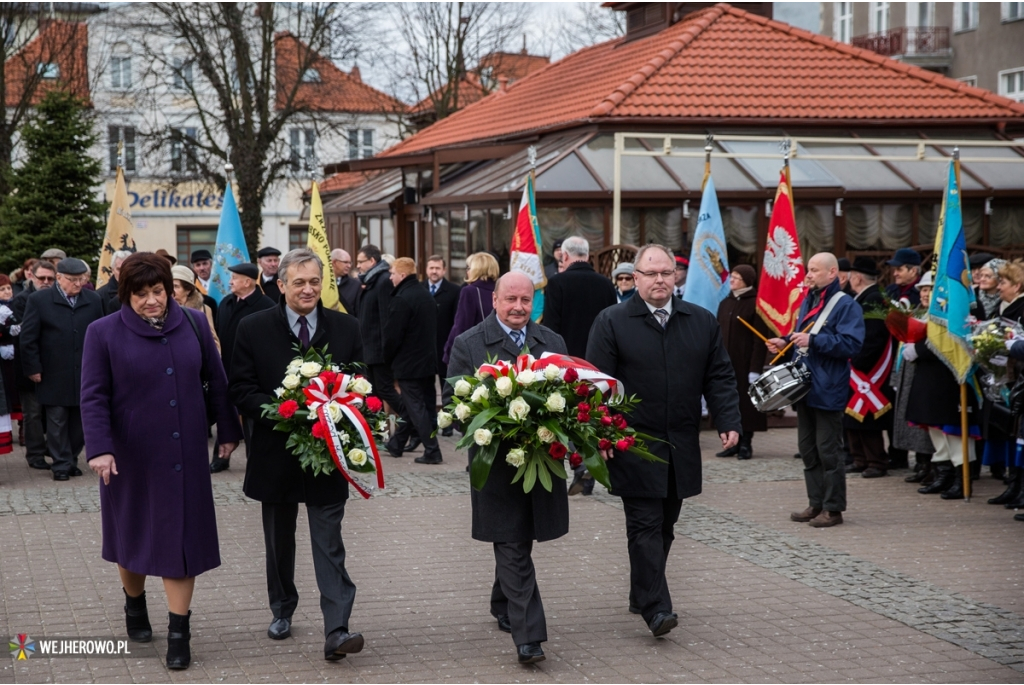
pixel 554 264
pixel 202 265
pixel 52 336
pixel 475 298
pixel 410 340
pixel 167 255
pixel 22 278
pixel 108 292
pixel 349 287
pixel 268 258
pixel 625 286
pixel 681 271
pixel 844 275
pixel 53 255
pixel 906 436
pixel 7 370
pixel 374 306
pixel 837 335
pixel 186 294
pixel 574 298
pixel 145 420
pixel 33 423
pixel 906 271
pixel 746 352
pixel 988 299
pixel 446 297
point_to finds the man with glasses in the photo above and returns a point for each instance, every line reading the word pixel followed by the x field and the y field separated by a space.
pixel 52 335
pixel 349 287
pixel 669 353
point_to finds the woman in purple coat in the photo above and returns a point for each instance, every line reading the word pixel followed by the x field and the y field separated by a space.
pixel 144 415
pixel 476 299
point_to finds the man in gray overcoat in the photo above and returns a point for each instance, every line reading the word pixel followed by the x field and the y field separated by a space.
pixel 502 513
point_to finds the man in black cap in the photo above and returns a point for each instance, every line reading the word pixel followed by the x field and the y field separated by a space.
pixel 906 272
pixel 269 258
pixel 551 268
pixel 245 299
pixel 844 275
pixel 202 265
pixel 52 336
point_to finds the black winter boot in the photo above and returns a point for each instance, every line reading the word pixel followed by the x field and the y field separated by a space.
pixel 943 471
pixel 1018 501
pixel 956 490
pixel 922 468
pixel 998 471
pixel 179 656
pixel 1012 490
pixel 136 618
pixel 975 469
pixel 746 450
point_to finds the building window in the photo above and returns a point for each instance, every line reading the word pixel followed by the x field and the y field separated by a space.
pixel 121 73
pixel 124 135
pixel 303 149
pixel 1012 11
pixel 183 149
pixel 920 14
pixel 969 80
pixel 181 74
pixel 842 21
pixel 879 17
pixel 965 16
pixel 49 70
pixel 192 238
pixel 298 237
pixel 311 75
pixel 1011 84
pixel 360 143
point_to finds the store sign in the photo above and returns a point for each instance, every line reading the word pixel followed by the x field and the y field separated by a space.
pixel 184 198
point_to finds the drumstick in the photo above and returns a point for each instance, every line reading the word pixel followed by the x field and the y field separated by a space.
pixel 786 348
pixel 752 329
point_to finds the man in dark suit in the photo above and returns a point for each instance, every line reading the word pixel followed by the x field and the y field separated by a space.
pixel 373 317
pixel 269 258
pixel 273 476
pixel 410 337
pixel 350 288
pixel 446 297
pixel 42 277
pixel 574 298
pixel 502 513
pixel 202 265
pixel 108 293
pixel 52 335
pixel 669 353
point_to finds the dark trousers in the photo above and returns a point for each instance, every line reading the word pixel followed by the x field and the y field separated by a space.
pixel 33 422
pixel 650 530
pixel 515 593
pixel 820 437
pixel 64 437
pixel 383 383
pixel 868 449
pixel 337 591
pixel 419 416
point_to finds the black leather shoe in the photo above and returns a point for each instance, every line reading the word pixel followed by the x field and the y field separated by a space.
pixel 873 473
pixel 530 653
pixel 39 463
pixel 504 625
pixel 634 610
pixel 394 451
pixel 731 452
pixel 61 475
pixel 663 623
pixel 427 460
pixel 280 628
pixel 447 432
pixel 1018 517
pixel 75 472
pixel 341 643
pixel 576 487
pixel 856 469
pixel 218 465
pixel 413 444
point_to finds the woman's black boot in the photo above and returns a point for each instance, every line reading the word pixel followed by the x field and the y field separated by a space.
pixel 956 490
pixel 178 653
pixel 975 469
pixel 1012 490
pixel 922 468
pixel 136 618
pixel 1018 501
pixel 943 471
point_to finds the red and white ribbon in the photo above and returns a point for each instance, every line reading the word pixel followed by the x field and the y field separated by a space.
pixel 867 388
pixel 584 370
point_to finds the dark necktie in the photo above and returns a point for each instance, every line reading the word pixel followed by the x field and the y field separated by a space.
pixel 662 316
pixel 518 338
pixel 433 289
pixel 304 332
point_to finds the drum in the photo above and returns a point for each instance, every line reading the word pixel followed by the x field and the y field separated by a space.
pixel 780 386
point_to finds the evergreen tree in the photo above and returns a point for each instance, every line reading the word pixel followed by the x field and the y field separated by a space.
pixel 53 194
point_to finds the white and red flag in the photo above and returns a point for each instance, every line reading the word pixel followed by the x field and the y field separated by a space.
pixel 526 247
pixel 780 290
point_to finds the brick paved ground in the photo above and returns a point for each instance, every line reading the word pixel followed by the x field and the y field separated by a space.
pixel 909 589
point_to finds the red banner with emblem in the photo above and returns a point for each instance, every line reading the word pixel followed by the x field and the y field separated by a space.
pixel 780 289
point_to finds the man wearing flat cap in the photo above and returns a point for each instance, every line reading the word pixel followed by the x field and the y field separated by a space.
pixel 844 275
pixel 268 259
pixel 554 266
pixel 52 335
pixel 53 255
pixel 202 267
pixel 906 271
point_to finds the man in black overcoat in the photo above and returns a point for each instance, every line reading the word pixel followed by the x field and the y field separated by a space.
pixel 574 298
pixel 264 347
pixel 108 293
pixel 410 337
pixel 269 259
pixel 668 353
pixel 374 306
pixel 42 277
pixel 446 296
pixel 52 336
pixel 350 288
pixel 502 513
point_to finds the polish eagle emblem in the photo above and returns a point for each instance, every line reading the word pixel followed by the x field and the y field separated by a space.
pixel 781 256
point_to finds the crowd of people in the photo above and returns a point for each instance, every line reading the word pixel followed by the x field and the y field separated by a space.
pixel 72 359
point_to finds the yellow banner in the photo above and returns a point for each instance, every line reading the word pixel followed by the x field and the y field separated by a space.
pixel 120 230
pixel 317 242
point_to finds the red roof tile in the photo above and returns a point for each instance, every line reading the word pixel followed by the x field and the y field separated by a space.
pixel 60 42
pixel 346 180
pixel 719 63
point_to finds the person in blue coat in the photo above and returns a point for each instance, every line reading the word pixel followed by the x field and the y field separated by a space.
pixel 826 353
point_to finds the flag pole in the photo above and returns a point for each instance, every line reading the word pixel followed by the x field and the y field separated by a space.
pixel 707 160
pixel 964 438
pixel 787 146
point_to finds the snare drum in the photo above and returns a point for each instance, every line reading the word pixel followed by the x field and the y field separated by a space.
pixel 780 386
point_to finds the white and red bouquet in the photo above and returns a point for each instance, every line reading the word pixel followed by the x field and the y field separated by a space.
pixel 331 419
pixel 544 410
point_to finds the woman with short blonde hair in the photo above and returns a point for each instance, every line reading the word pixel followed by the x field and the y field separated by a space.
pixel 476 300
pixel 481 265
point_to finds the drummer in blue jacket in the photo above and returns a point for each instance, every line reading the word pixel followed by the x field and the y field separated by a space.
pixel 827 349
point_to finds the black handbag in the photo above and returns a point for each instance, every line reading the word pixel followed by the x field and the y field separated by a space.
pixel 1017 399
pixel 204 372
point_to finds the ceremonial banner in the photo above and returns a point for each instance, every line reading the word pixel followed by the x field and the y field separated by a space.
pixel 230 249
pixel 780 289
pixel 708 281
pixel 950 306
pixel 317 242
pixel 120 230
pixel 526 247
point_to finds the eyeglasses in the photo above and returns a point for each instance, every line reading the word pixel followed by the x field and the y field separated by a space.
pixel 75 279
pixel 655 274
pixel 624 278
pixel 45 279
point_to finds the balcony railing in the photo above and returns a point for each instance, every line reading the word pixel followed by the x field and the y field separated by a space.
pixel 906 40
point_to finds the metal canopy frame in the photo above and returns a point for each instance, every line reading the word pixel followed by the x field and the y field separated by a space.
pixel 789 149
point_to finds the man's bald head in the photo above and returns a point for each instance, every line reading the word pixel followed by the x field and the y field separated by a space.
pixel 822 269
pixel 513 299
pixel 341 262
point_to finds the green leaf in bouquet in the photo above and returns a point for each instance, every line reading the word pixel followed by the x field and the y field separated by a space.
pixel 478 422
pixel 552 425
pixel 544 475
pixel 283 427
pixel 519 473
pixel 481 466
pixel 556 467
pixel 530 479
pixel 594 462
pixel 535 400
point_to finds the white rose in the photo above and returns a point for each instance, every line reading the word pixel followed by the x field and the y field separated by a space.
pixel 343 436
pixel 551 372
pixel 444 419
pixel 555 403
pixel 545 435
pixel 291 381
pixel 357 457
pixel 279 392
pixel 294 365
pixel 516 458
pixel 310 369
pixel 526 377
pixel 482 437
pixel 334 411
pixel 463 412
pixel 518 409
pixel 481 393
pixel 312 416
pixel 504 386
pixel 462 387
pixel 360 386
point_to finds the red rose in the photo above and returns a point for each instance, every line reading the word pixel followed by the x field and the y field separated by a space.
pixel 582 390
pixel 557 450
pixel 373 404
pixel 328 376
pixel 583 417
pixel 570 376
pixel 604 444
pixel 575 460
pixel 606 421
pixel 622 445
pixel 583 407
pixel 288 409
pixel 319 432
pixel 603 409
pixel 630 439
pixel 619 421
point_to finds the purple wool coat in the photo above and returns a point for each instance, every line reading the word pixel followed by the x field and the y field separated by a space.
pixel 142 401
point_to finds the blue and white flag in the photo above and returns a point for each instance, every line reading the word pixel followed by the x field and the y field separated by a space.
pixel 230 248
pixel 707 283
